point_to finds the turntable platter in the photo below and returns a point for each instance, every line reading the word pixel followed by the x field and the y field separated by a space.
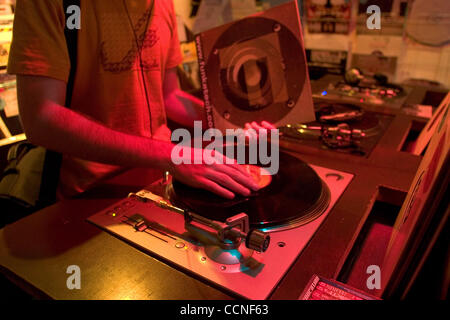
pixel 365 121
pixel 295 196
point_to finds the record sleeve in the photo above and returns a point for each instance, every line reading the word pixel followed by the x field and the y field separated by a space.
pixel 254 69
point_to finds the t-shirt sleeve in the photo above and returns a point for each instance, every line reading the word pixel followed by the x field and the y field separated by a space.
pixel 174 58
pixel 39 47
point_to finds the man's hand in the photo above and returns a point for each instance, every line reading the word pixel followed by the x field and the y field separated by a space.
pixel 255 126
pixel 224 176
pixel 264 125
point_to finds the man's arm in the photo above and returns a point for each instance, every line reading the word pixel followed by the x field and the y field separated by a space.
pixel 48 123
pixel 181 107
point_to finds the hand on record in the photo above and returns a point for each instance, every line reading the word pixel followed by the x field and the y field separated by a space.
pixel 264 125
pixel 217 174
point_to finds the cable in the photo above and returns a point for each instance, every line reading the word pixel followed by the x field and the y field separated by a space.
pixel 139 49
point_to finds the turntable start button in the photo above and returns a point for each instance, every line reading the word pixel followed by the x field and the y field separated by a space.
pixel 179 245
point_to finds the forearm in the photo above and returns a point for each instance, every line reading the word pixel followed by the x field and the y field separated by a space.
pixel 184 108
pixel 63 130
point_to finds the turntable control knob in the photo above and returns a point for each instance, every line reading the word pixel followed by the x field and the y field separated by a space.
pixel 257 240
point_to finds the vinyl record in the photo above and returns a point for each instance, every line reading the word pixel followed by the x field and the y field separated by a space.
pixel 295 196
pixel 357 118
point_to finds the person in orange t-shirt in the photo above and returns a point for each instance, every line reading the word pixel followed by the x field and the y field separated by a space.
pixel 128 51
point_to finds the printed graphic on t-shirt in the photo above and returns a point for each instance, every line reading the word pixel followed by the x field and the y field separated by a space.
pixel 123 44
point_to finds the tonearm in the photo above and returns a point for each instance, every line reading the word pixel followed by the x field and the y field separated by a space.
pixel 230 233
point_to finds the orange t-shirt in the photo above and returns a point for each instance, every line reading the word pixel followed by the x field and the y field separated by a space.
pixel 108 83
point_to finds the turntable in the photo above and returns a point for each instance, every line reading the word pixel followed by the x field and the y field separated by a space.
pixel 370 94
pixel 340 127
pixel 243 246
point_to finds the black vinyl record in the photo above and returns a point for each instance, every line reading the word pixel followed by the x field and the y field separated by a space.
pixel 365 121
pixel 295 196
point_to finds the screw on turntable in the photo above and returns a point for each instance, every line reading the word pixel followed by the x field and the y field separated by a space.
pixel 340 127
pixel 227 242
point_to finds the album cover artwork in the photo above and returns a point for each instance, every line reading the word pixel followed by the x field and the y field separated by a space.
pixel 429 129
pixel 329 16
pixel 255 69
pixel 320 288
pixel 423 214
